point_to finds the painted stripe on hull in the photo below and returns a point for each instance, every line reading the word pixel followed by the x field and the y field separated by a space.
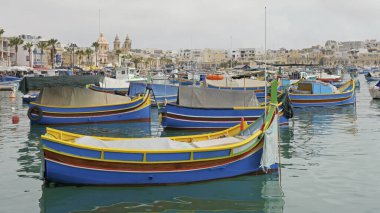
pixel 142 114
pixel 62 173
pixel 348 101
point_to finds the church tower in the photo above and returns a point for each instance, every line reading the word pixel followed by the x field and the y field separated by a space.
pixel 116 43
pixel 127 44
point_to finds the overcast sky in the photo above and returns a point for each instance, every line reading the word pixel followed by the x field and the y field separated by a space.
pixel 175 24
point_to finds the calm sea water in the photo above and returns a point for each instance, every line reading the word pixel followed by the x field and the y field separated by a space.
pixel 329 158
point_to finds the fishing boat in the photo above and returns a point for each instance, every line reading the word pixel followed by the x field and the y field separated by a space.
pixel 9 80
pixel 67 105
pixel 372 76
pixel 111 85
pixel 206 108
pixel 375 91
pixel 306 93
pixel 161 93
pixel 324 77
pixel 84 160
pixel 30 97
pixel 237 84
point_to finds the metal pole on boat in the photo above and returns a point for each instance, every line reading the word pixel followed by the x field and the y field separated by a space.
pixel 265 61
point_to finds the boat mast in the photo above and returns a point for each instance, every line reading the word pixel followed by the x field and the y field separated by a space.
pixel 265 61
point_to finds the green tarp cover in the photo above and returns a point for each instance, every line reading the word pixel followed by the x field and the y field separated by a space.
pixel 37 83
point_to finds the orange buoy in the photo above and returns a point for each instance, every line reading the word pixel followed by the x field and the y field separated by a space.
pixel 242 124
pixel 15 119
pixel 12 94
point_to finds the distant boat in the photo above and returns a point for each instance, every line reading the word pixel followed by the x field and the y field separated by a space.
pixel 9 80
pixel 84 160
pixel 111 85
pixel 160 76
pixel 206 108
pixel 162 93
pixel 375 91
pixel 318 94
pixel 324 77
pixel 372 76
pixel 66 105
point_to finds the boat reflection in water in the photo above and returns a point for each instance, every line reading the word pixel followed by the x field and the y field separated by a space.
pixel 316 126
pixel 246 193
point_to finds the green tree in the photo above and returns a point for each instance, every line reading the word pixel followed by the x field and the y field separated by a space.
pixel 136 60
pixel 96 45
pixel 2 31
pixel 118 52
pixel 28 46
pixel 52 43
pixel 88 52
pixel 42 45
pixel 15 42
pixel 80 53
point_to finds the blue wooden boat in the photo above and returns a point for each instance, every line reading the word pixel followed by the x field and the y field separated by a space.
pixel 163 93
pixel 9 80
pixel 65 105
pixel 318 94
pixel 76 159
pixel 205 108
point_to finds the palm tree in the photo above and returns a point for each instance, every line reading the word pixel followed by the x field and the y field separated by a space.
pixel 118 52
pixel 28 46
pixel 88 52
pixel 52 42
pixel 15 42
pixel 80 53
pixel 96 46
pixel 136 61
pixel 2 31
pixel 42 45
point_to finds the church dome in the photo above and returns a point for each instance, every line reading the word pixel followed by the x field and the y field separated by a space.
pixel 102 39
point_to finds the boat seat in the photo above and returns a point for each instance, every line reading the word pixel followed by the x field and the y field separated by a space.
pixel 154 143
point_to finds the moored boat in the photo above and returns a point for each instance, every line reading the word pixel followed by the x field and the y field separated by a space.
pixel 372 76
pixel 206 108
pixel 76 159
pixel 110 85
pixel 318 94
pixel 163 93
pixel 374 91
pixel 66 105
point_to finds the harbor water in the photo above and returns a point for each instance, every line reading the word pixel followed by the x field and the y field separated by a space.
pixel 329 163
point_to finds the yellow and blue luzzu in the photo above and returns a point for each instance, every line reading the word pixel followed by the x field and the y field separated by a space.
pixel 79 105
pixel 200 108
pixel 318 94
pixel 76 159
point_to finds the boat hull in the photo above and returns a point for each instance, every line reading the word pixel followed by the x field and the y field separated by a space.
pixel 71 170
pixel 374 92
pixel 324 100
pixel 134 111
pixel 163 94
pixel 121 91
pixel 179 117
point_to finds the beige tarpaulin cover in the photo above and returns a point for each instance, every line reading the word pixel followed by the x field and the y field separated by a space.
pixel 154 143
pixel 82 97
pixel 215 98
pixel 236 83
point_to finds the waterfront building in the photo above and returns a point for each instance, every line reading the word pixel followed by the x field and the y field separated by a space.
pixel 7 53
